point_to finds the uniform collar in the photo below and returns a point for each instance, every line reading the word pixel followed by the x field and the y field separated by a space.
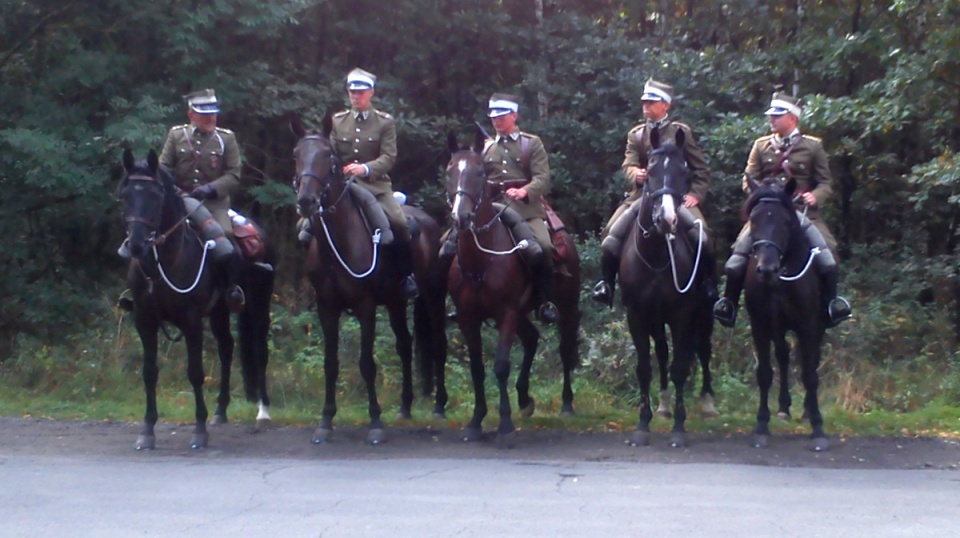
pixel 786 141
pixel 360 115
pixel 512 136
pixel 659 123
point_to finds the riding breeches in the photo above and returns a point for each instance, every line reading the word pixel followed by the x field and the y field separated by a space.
pixel 215 225
pixel 813 229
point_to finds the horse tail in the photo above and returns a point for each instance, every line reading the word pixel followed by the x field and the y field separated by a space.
pixel 253 326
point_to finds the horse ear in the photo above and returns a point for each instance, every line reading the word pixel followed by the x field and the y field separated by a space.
pixel 127 160
pixel 479 138
pixel 452 142
pixel 153 162
pixel 327 125
pixel 680 138
pixel 297 127
pixel 790 187
pixel 655 138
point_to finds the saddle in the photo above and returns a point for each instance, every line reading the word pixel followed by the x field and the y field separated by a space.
pixel 248 238
pixel 558 234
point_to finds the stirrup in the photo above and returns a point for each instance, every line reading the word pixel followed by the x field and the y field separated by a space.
pixel 838 310
pixel 236 299
pixel 548 313
pixel 125 303
pixel 408 287
pixel 725 312
pixel 602 293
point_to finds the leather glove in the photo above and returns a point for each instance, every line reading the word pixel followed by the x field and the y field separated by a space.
pixel 204 192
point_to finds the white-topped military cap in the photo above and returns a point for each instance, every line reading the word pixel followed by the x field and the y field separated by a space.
pixel 203 102
pixel 358 79
pixel 657 91
pixel 502 104
pixel 783 103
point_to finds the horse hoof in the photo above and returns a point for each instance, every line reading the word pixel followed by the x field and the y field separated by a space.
pixel 146 442
pixel 760 441
pixel 783 415
pixel 199 440
pixel 639 438
pixel 528 411
pixel 218 420
pixel 263 423
pixel 471 435
pixel 678 440
pixel 376 436
pixel 321 436
pixel 664 412
pixel 820 444
pixel 404 415
pixel 567 411
pixel 507 440
pixel 439 415
pixel 707 407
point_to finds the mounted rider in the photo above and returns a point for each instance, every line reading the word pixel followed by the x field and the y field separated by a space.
pixel 657 98
pixel 787 153
pixel 365 141
pixel 205 161
pixel 518 161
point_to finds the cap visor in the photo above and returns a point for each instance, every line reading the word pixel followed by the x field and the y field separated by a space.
pixel 650 97
pixel 359 86
pixel 776 111
pixel 205 109
pixel 497 112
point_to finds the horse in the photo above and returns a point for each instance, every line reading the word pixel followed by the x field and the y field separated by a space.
pixel 782 293
pixel 660 287
pixel 487 280
pixel 348 273
pixel 171 281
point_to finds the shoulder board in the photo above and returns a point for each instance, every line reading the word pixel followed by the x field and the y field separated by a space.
pixel 814 138
pixel 222 130
pixel 383 114
pixel 681 125
pixel 180 127
pixel 341 113
pixel 765 138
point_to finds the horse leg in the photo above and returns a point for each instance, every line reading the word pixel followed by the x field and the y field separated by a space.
pixel 368 371
pixel 253 326
pixel 679 371
pixel 404 347
pixel 704 353
pixel 330 324
pixel 506 433
pixel 430 342
pixel 639 331
pixel 810 355
pixel 220 327
pixel 782 351
pixel 193 336
pixel 663 361
pixel 148 339
pixel 569 333
pixel 761 433
pixel 471 335
pixel 529 336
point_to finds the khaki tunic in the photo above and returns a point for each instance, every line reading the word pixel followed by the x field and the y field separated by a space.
pixel 808 165
pixel 372 140
pixel 637 155
pixel 502 161
pixel 197 158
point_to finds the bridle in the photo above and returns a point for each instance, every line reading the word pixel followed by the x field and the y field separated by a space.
pixel 333 171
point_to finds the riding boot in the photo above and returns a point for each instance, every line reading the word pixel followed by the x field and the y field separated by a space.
pixel 709 272
pixel 404 258
pixel 544 285
pixel 725 309
pixel 609 267
pixel 449 247
pixel 835 308
pixel 232 266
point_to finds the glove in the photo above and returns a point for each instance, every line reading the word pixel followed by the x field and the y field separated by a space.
pixel 204 192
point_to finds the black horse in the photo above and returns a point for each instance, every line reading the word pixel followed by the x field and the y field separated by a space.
pixel 660 275
pixel 171 281
pixel 782 292
pixel 350 273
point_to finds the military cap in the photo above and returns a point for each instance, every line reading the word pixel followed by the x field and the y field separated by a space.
pixel 783 103
pixel 358 79
pixel 657 91
pixel 502 104
pixel 203 102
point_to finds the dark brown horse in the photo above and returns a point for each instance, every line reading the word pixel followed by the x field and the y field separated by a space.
pixel 350 273
pixel 171 280
pixel 782 293
pixel 488 280
pixel 660 286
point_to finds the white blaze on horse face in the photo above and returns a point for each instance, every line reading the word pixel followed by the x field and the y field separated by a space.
pixel 461 166
pixel 670 211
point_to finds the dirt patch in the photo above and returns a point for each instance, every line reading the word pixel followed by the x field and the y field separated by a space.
pixel 113 439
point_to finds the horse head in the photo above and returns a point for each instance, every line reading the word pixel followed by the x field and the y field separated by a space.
pixel 145 191
pixel 317 166
pixel 466 181
pixel 667 177
pixel 773 225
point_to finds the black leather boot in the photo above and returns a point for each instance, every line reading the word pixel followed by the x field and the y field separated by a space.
pixel 603 292
pixel 725 310
pixel 231 266
pixel 408 284
pixel 835 308
pixel 544 283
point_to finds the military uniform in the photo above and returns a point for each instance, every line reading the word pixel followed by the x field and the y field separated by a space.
pixel 805 161
pixel 503 161
pixel 370 138
pixel 197 158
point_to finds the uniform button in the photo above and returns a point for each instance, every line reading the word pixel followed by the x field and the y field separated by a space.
pixel 196 171
pixel 358 129
pixel 357 140
pixel 356 150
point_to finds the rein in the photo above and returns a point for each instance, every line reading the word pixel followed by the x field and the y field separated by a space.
pixel 814 251
pixel 671 241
